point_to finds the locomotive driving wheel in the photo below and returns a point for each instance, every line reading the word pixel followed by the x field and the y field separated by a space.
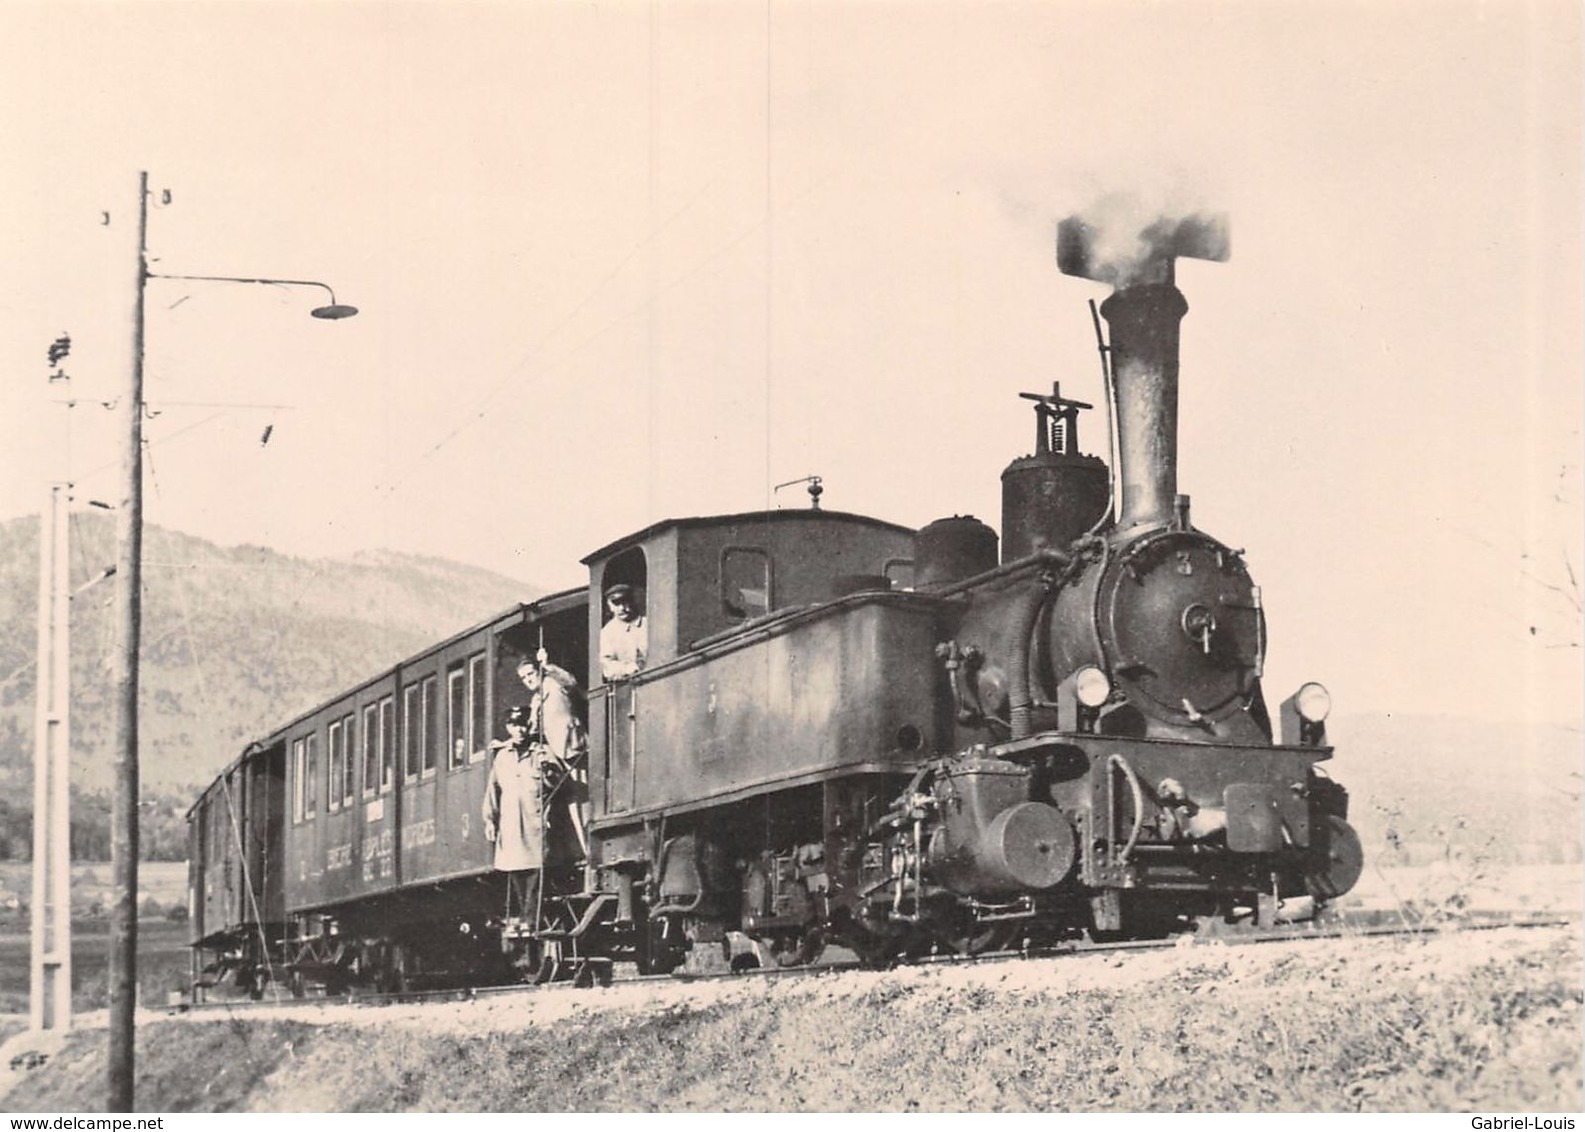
pixel 977 938
pixel 798 949
pixel 876 942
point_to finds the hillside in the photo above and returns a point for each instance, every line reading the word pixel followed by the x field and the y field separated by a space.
pixel 235 640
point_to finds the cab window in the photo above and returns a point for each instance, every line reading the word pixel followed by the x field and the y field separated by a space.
pixel 745 583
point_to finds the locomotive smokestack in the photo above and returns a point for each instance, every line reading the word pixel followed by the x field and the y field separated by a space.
pixel 1143 313
pixel 1144 324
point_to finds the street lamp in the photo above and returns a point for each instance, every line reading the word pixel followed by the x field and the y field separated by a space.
pixel 129 587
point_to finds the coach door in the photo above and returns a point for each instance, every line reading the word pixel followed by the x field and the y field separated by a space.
pixel 266 810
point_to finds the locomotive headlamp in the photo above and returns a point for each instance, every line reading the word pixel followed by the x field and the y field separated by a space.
pixel 1304 715
pixel 1091 686
pixel 1081 696
pixel 1314 702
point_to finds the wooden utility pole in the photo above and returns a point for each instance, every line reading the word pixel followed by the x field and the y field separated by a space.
pixel 129 596
pixel 50 998
pixel 124 806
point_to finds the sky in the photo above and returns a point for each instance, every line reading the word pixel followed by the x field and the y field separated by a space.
pixel 618 262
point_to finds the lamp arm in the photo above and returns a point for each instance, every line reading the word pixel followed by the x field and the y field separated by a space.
pixel 236 279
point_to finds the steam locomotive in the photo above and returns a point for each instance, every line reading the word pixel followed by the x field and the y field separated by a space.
pixel 847 732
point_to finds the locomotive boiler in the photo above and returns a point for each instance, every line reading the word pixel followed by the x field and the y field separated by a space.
pixel 847 731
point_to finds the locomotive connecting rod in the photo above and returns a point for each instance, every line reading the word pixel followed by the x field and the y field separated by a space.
pixel 1143 312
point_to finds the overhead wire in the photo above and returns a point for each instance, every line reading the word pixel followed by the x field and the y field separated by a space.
pixel 763 222
pixel 534 352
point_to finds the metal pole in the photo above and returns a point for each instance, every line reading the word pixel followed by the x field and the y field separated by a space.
pixel 50 1001
pixel 124 807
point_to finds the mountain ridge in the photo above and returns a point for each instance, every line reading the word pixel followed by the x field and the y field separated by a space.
pixel 234 641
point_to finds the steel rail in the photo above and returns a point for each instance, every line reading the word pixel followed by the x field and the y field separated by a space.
pixel 1337 927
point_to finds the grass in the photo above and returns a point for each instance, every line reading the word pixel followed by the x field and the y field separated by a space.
pixel 1488 1021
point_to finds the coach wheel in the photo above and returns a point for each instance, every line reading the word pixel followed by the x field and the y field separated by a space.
pixel 393 970
pixel 525 957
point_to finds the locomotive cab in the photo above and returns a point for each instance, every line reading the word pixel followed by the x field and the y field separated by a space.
pixel 782 669
pixel 709 576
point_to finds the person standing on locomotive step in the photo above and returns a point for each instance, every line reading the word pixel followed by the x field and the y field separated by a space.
pixel 624 638
pixel 511 813
pixel 558 734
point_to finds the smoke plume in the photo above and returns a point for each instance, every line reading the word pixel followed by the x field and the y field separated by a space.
pixel 1118 241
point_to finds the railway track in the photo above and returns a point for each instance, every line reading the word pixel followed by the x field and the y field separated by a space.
pixel 1345 926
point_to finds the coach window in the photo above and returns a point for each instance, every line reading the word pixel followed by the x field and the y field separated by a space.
pixel 457 716
pixel 418 728
pixel 349 765
pixel 428 707
pixel 338 753
pixel 467 721
pixel 478 708
pixel 371 750
pixel 300 776
pixel 745 583
pixel 411 732
pixel 387 743
pixel 311 775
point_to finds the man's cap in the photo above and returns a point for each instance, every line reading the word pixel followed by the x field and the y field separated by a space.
pixel 621 589
pixel 517 715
